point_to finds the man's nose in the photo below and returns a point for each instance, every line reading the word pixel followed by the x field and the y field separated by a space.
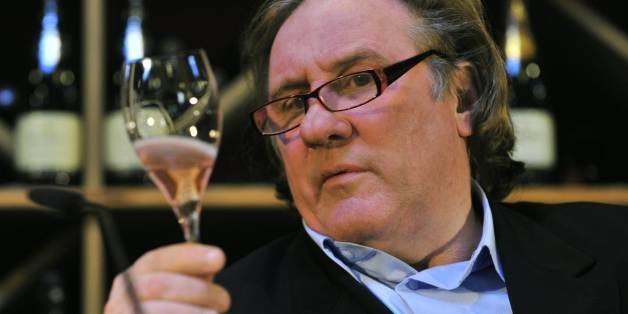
pixel 321 127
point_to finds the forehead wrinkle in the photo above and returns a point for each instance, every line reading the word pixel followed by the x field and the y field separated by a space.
pixel 347 58
pixel 289 84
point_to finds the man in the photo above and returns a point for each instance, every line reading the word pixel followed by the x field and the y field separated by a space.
pixel 389 120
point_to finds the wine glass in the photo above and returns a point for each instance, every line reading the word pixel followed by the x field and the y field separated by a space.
pixel 173 119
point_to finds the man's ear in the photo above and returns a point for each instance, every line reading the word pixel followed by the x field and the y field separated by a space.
pixel 466 91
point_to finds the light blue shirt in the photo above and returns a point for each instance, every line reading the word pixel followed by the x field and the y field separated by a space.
pixel 473 286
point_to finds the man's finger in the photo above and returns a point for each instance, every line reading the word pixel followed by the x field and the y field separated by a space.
pixel 185 258
pixel 183 289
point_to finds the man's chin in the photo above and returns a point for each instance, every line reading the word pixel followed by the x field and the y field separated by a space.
pixel 356 224
pixel 363 234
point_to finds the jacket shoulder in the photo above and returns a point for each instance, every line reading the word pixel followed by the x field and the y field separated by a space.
pixel 595 227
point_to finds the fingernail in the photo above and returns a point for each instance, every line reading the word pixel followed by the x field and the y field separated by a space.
pixel 213 254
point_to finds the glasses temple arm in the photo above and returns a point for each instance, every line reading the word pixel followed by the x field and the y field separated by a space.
pixel 395 71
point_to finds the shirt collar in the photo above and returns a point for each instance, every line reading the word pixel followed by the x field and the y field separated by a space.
pixel 488 231
pixel 389 270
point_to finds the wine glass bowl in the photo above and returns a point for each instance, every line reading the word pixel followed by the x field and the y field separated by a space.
pixel 172 115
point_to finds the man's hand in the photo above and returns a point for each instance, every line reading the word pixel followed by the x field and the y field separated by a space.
pixel 173 279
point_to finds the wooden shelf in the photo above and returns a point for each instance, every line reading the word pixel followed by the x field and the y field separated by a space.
pixel 614 194
pixel 217 196
pixel 263 196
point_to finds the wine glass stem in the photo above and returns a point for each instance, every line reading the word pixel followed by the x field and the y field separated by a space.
pixel 190 226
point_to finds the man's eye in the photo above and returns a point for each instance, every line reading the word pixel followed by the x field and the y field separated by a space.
pixel 351 83
pixel 292 104
pixel 360 80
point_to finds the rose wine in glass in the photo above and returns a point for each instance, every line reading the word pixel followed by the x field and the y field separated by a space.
pixel 173 118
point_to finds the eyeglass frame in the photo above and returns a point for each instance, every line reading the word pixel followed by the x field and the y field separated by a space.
pixel 383 78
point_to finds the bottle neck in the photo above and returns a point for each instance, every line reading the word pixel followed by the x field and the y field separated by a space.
pixel 53 81
pixel 520 45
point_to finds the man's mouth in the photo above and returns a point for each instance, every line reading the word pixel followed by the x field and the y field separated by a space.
pixel 340 173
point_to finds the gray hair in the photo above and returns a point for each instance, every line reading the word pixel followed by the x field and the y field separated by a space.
pixel 458 29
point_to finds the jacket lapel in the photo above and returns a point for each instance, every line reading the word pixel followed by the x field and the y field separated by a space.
pixel 544 274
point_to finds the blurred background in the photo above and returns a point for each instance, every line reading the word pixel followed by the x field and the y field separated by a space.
pixel 567 62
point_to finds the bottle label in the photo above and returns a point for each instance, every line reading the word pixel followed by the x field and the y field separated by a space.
pixel 535 133
pixel 48 141
pixel 119 153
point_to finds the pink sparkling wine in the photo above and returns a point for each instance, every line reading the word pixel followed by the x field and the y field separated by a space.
pixel 180 167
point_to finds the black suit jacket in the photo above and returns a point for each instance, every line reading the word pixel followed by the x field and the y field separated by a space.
pixel 569 258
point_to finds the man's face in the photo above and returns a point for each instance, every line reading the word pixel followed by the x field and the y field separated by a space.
pixel 377 173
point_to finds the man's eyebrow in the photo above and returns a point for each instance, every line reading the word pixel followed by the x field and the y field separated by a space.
pixel 343 64
pixel 289 85
pixel 340 66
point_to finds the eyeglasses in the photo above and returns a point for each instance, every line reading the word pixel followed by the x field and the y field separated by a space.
pixel 343 93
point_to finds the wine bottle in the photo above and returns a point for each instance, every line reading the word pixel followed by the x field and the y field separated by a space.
pixel 531 115
pixel 121 164
pixel 9 98
pixel 48 143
